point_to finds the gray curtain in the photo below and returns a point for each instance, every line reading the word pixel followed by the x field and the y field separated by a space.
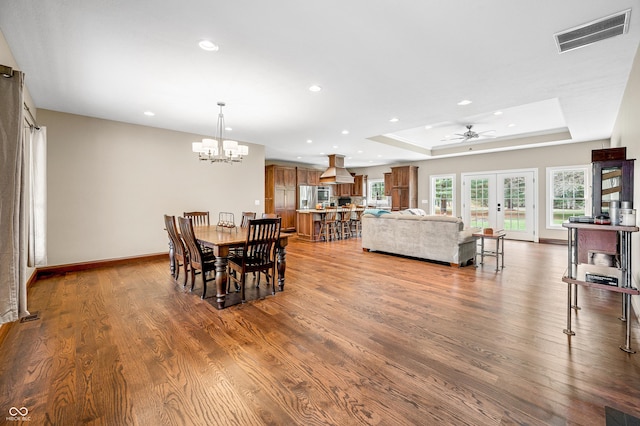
pixel 13 290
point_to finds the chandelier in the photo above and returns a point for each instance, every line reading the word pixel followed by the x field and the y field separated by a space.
pixel 219 150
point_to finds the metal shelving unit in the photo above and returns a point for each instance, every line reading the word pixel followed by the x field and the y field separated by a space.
pixel 625 286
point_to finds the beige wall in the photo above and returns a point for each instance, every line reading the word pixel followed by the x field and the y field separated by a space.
pixel 533 158
pixel 626 132
pixel 109 184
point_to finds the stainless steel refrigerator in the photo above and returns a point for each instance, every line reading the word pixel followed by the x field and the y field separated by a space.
pixel 307 197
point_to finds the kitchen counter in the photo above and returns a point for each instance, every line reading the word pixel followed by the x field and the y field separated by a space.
pixel 309 221
pixel 320 211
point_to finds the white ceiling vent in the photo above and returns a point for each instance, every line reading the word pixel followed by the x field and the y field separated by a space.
pixel 594 31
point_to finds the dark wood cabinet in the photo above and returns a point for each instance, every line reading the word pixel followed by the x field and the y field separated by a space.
pixel 310 177
pixel 313 177
pixel 303 176
pixel 280 194
pixel 612 181
pixel 387 184
pixel 344 189
pixel 404 187
pixel 357 190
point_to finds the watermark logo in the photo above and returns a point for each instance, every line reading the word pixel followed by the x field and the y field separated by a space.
pixel 18 414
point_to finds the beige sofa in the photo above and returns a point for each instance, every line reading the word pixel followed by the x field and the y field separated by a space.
pixel 439 238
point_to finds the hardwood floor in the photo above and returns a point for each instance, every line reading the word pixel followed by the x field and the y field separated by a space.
pixel 342 345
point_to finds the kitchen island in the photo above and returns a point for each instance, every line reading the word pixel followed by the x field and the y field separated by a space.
pixel 309 221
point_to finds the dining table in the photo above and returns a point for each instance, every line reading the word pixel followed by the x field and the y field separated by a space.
pixel 221 240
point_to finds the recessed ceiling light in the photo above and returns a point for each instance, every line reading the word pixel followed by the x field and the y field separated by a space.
pixel 315 88
pixel 345 132
pixel 149 113
pixel 379 155
pixel 208 45
pixel 360 151
pixel 497 113
pixel 428 127
pixel 322 153
pixel 228 129
pixel 335 147
pixel 511 125
pixel 394 120
pixel 309 141
pixel 464 102
pixel 298 157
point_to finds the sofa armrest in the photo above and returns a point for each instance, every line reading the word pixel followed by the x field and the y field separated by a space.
pixel 466 235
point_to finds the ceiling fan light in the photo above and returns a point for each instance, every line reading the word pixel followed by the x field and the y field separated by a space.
pixel 208 45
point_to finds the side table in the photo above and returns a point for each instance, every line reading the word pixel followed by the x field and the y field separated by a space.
pixel 498 253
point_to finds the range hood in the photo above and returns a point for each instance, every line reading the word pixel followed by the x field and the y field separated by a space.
pixel 336 173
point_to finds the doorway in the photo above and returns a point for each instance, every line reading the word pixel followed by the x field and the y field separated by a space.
pixel 501 200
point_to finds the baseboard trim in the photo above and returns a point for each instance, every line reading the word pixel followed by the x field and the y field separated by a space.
pixel 83 266
pixel 552 241
pixel 4 330
pixel 33 278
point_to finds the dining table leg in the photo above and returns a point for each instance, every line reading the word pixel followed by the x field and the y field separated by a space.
pixel 221 253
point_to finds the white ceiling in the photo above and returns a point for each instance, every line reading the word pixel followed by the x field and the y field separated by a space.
pixel 374 59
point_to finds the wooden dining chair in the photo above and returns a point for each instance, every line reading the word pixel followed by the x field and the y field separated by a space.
pixel 246 216
pixel 258 254
pixel 269 215
pixel 198 259
pixel 180 253
pixel 198 218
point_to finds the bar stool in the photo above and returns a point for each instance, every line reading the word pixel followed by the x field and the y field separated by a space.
pixel 345 221
pixel 328 224
pixel 356 222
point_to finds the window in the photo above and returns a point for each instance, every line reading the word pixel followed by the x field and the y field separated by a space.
pixel 567 194
pixel 443 195
pixel 376 193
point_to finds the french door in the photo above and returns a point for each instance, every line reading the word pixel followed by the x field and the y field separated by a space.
pixel 501 200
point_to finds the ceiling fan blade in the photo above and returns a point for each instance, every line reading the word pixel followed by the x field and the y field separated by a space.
pixel 486 131
pixel 453 139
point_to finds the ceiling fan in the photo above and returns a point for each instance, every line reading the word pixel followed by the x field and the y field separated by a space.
pixel 469 135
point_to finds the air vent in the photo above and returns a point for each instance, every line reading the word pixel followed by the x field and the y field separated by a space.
pixel 594 31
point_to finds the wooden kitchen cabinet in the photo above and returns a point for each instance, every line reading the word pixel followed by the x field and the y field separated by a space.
pixel 404 187
pixel 387 184
pixel 344 189
pixel 280 194
pixel 357 186
pixel 309 177
pixel 313 177
pixel 303 176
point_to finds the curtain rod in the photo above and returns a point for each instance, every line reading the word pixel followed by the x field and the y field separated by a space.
pixel 6 71
pixel 33 119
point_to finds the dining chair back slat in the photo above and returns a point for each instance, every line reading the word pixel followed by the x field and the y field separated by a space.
pixel 198 218
pixel 180 253
pixel 259 252
pixel 246 216
pixel 197 258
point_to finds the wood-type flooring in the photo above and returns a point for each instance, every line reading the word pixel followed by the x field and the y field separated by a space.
pixel 356 338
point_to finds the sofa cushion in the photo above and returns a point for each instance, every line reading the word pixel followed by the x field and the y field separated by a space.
pixel 416 212
pixel 376 212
